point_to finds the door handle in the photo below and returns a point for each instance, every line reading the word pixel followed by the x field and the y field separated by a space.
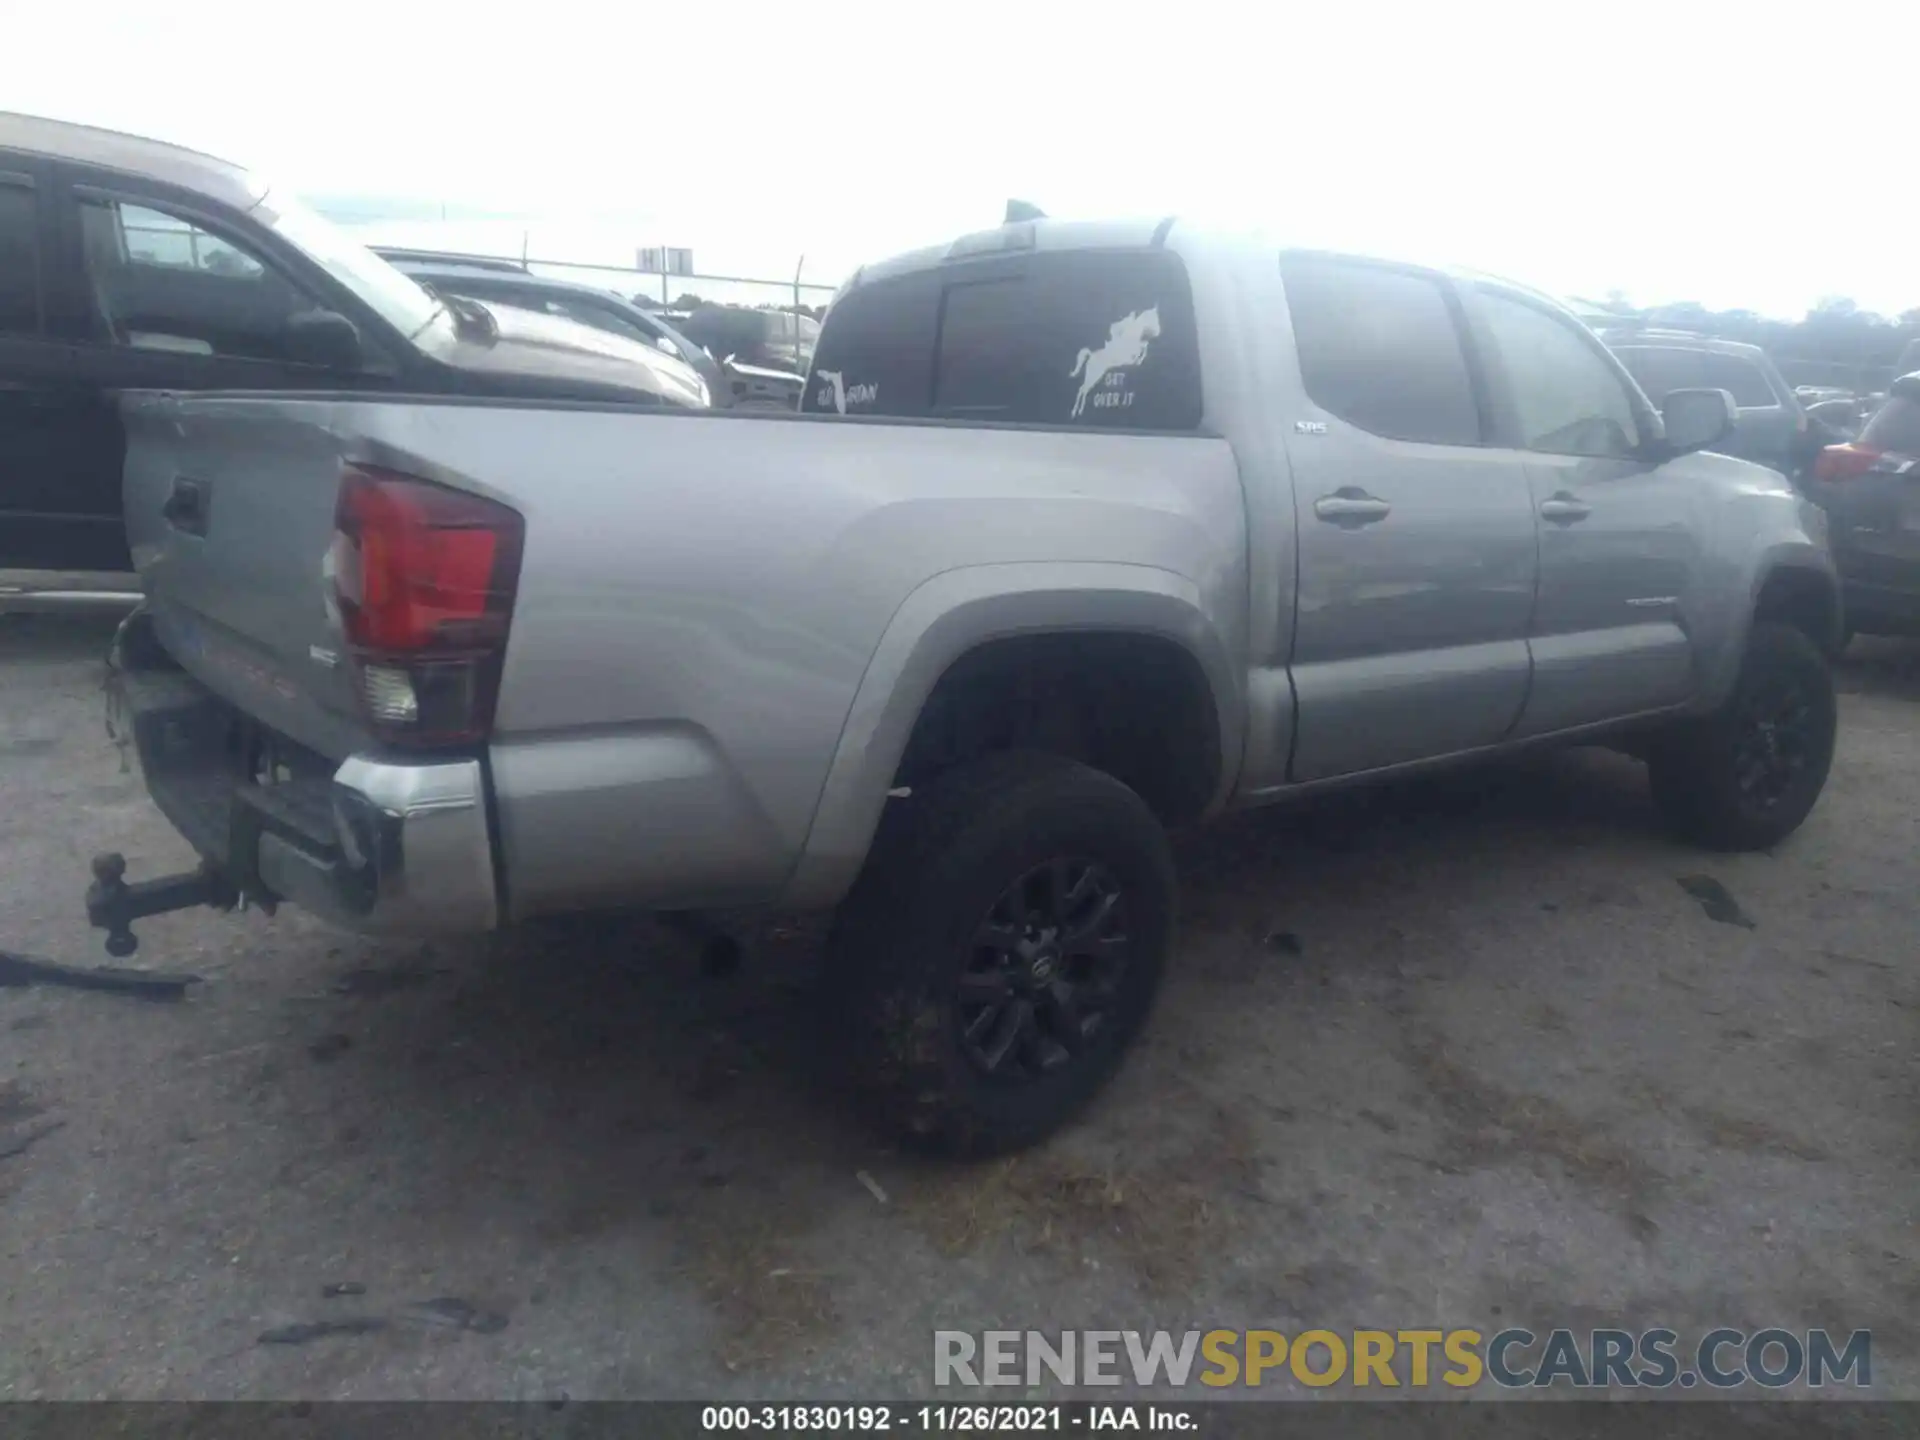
pixel 186 508
pixel 1351 507
pixel 1564 509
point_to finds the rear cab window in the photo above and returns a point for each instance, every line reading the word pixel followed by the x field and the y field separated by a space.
pixel 1096 338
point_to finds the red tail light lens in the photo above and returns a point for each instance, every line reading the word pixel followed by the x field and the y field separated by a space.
pixel 424 579
pixel 1845 462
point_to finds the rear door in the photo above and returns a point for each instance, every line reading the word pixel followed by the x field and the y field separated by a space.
pixel 60 439
pixel 1415 531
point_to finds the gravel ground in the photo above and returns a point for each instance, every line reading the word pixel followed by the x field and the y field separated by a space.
pixel 1464 1053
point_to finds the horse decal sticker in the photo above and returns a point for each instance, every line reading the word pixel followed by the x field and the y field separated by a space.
pixel 1127 342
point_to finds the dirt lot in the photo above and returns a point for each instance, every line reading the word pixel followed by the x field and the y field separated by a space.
pixel 1466 1053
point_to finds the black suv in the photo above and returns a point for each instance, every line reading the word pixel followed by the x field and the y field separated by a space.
pixel 127 264
pixel 769 339
pixel 1770 426
pixel 1870 489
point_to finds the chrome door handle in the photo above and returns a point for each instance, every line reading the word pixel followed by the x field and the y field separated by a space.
pixel 1351 507
pixel 1564 509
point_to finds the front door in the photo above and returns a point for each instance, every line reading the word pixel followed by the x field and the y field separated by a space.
pixel 1619 532
pixel 1415 534
pixel 142 295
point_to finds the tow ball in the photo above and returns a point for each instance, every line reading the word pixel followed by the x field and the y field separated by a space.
pixel 113 905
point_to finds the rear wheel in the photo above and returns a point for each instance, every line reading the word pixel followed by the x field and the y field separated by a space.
pixel 1001 949
pixel 1746 776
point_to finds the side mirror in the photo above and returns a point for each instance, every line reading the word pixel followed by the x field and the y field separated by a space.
pixel 1697 419
pixel 324 339
pixel 666 346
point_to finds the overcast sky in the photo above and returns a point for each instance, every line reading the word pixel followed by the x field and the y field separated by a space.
pixel 1688 150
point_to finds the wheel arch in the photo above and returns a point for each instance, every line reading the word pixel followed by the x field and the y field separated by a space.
pixel 966 610
pixel 1794 582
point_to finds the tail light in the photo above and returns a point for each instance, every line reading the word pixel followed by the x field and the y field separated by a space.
pixel 1845 462
pixel 424 580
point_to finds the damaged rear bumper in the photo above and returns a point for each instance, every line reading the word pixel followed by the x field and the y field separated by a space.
pixel 371 844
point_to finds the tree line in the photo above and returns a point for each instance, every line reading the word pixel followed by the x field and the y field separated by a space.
pixel 1835 335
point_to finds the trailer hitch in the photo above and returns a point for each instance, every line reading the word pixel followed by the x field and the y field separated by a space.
pixel 113 905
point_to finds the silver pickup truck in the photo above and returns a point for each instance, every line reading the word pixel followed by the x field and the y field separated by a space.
pixel 1088 531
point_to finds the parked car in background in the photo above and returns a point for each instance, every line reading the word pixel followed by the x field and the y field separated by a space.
pixel 507 283
pixel 128 264
pixel 1770 424
pixel 1838 419
pixel 770 339
pixel 401 255
pixel 1125 525
pixel 1870 489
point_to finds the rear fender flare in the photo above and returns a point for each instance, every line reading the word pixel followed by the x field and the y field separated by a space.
pixel 955 612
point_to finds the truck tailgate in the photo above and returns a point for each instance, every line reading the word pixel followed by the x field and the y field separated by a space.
pixel 230 516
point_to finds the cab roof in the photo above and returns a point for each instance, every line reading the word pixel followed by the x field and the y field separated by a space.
pixel 1047 234
pixel 205 175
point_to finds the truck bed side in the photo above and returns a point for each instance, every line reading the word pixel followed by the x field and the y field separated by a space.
pixel 699 597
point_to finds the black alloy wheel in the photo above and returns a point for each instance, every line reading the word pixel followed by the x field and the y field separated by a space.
pixel 1047 966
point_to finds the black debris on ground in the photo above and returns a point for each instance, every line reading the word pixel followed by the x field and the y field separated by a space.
pixel 12 1145
pixel 19 971
pixel 310 1330
pixel 330 1047
pixel 1716 900
pixel 452 1313
pixel 371 982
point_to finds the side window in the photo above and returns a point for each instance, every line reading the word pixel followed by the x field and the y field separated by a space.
pixel 1569 400
pixel 163 282
pixel 1740 378
pixel 19 257
pixel 1380 348
pixel 1659 370
pixel 153 238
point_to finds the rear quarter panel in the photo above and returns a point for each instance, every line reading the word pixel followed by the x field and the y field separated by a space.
pixel 700 598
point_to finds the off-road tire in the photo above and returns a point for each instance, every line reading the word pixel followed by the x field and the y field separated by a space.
pixel 1694 767
pixel 943 856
